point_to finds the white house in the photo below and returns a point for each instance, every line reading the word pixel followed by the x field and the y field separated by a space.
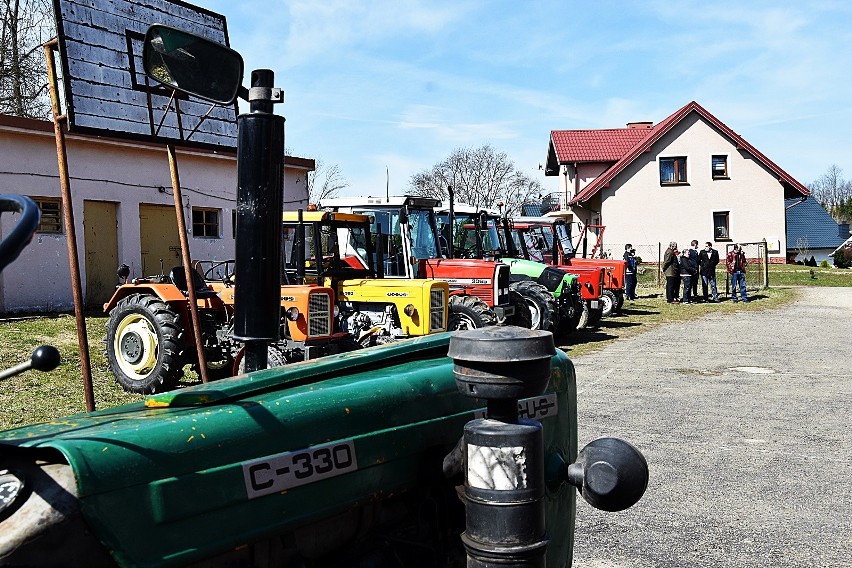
pixel 687 177
pixel 123 210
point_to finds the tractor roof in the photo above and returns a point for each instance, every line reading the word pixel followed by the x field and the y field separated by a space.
pixel 390 201
pixel 319 216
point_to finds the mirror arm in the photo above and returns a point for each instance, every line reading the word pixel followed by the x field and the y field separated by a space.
pixel 243 93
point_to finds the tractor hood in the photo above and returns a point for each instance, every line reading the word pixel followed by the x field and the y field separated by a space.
pixel 204 470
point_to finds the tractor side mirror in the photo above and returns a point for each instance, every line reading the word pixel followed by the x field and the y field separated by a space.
pixel 192 64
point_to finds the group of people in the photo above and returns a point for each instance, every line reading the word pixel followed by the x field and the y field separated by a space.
pixel 682 270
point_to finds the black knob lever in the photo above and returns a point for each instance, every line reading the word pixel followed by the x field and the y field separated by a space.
pixel 611 474
pixel 44 358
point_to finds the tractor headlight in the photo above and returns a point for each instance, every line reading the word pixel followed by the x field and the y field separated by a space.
pixel 410 310
pixel 293 313
pixel 11 488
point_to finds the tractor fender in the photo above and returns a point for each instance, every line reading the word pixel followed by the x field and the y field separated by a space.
pixel 168 293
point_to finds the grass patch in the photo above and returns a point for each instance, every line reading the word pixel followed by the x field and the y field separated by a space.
pixel 39 397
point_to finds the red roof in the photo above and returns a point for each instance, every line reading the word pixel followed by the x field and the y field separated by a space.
pixel 613 145
pixel 595 145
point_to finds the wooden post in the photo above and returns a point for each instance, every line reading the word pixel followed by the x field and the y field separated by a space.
pixel 765 265
pixel 70 230
pixel 187 264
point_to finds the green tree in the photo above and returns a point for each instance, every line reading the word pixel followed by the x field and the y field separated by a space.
pixel 479 176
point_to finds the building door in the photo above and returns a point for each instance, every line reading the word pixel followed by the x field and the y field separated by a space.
pixel 100 225
pixel 159 237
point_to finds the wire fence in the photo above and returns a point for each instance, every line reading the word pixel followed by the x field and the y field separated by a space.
pixel 651 275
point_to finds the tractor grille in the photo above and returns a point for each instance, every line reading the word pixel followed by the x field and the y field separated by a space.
pixel 437 304
pixel 319 315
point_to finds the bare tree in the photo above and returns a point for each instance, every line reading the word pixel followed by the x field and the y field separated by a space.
pixel 803 247
pixel 479 176
pixel 325 182
pixel 24 26
pixel 833 192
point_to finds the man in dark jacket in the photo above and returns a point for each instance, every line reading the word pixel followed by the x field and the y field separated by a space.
pixel 671 269
pixel 707 261
pixel 630 272
pixel 688 270
pixel 693 254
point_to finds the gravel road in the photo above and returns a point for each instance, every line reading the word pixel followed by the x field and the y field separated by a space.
pixel 746 424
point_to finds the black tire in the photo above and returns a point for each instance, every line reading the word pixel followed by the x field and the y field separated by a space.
pixel 620 296
pixel 609 303
pixel 143 344
pixel 589 318
pixel 274 358
pixel 541 302
pixel 469 312
pixel 595 315
pixel 523 315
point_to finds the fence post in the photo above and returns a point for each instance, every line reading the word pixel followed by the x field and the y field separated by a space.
pixel 765 265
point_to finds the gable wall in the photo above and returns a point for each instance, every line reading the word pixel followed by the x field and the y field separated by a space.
pixel 637 209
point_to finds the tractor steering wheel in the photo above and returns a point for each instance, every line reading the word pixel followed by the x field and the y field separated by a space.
pixel 12 245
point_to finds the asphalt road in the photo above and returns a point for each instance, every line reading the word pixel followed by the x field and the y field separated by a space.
pixel 746 422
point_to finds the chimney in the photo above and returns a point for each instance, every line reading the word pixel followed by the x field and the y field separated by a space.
pixel 843 230
pixel 640 125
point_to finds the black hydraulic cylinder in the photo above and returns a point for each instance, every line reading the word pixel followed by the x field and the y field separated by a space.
pixel 260 193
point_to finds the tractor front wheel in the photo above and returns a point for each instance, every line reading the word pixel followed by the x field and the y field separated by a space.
pixel 541 303
pixel 609 302
pixel 469 312
pixel 143 344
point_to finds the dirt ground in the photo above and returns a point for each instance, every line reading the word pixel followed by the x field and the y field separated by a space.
pixel 746 422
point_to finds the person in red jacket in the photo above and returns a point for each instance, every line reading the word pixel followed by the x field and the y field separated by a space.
pixel 736 264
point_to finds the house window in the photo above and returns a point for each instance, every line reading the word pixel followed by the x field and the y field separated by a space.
pixel 720 226
pixel 719 167
pixel 672 171
pixel 205 223
pixel 51 214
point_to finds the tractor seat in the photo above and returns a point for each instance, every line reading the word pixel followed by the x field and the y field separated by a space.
pixel 178 278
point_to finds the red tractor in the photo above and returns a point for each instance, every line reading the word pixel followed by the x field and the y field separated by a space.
pixel 407 235
pixel 554 233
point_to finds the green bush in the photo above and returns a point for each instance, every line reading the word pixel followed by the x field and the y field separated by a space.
pixel 824 264
pixel 843 258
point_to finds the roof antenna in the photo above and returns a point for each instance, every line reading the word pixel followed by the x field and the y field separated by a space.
pixel 387 185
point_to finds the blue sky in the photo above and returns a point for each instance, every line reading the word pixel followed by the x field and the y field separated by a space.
pixel 400 84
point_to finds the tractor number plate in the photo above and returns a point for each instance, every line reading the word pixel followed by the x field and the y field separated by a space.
pixel 279 472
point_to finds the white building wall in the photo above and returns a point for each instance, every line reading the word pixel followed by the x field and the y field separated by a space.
pixel 637 209
pixel 128 173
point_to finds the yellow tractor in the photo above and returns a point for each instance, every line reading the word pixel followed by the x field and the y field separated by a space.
pixel 337 250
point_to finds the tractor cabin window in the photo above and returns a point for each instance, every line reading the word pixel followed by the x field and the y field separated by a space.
pixel 720 226
pixel 719 167
pixel 673 171
pixel 205 223
pixel 51 215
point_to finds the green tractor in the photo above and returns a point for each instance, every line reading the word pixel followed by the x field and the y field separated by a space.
pixel 384 456
pixel 552 294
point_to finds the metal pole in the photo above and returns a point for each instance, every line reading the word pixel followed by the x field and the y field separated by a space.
pixel 71 233
pixel 187 264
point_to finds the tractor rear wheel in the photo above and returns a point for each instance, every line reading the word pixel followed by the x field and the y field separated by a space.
pixel 589 318
pixel 541 302
pixel 469 312
pixel 143 344
pixel 609 301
